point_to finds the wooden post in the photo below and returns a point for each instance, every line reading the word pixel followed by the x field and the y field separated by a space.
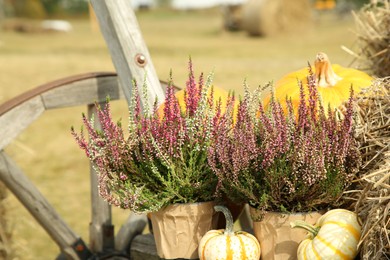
pixel 101 230
pixel 128 50
pixel 132 61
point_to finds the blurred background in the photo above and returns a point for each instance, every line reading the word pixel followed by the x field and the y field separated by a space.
pixel 44 40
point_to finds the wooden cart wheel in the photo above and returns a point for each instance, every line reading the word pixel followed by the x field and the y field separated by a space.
pixel 21 111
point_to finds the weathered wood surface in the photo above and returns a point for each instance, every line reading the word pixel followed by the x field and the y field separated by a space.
pixel 128 50
pixel 16 120
pixel 134 226
pixel 144 248
pixel 37 205
pixel 44 88
pixel 83 92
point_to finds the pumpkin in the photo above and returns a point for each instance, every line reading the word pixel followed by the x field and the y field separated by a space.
pixel 335 236
pixel 218 94
pixel 325 4
pixel 333 82
pixel 225 244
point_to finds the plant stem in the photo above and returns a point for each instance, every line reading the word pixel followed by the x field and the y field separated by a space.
pixel 304 225
pixel 325 75
pixel 228 217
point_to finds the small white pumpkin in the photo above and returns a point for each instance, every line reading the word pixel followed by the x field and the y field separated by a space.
pixel 335 236
pixel 225 244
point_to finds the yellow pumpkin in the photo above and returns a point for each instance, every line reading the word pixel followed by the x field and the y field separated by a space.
pixel 325 4
pixel 333 83
pixel 225 244
pixel 335 236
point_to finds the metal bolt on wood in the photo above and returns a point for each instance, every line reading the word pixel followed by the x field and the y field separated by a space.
pixel 140 59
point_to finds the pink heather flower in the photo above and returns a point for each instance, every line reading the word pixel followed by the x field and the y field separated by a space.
pixel 313 99
pixel 192 92
pixel 172 124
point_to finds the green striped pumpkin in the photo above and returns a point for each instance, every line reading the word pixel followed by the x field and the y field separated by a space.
pixel 335 236
pixel 224 244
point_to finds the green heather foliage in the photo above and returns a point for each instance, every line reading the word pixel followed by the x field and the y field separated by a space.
pixel 162 160
pixel 297 162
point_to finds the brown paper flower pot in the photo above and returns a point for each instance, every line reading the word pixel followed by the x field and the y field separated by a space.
pixel 278 241
pixel 178 228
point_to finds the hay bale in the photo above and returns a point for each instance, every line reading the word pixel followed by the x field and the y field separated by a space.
pixel 373 38
pixel 270 17
pixel 371 194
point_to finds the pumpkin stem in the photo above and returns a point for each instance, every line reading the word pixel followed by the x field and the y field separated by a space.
pixel 228 217
pixel 325 75
pixel 304 225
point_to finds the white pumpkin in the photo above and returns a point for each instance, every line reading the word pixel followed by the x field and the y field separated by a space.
pixel 224 244
pixel 335 236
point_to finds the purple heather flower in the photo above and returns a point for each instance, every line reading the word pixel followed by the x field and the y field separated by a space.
pixel 192 93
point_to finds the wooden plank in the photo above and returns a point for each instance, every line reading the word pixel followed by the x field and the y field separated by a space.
pixel 83 92
pixel 31 93
pixel 144 248
pixel 128 50
pixel 134 226
pixel 37 205
pixel 16 120
pixel 101 230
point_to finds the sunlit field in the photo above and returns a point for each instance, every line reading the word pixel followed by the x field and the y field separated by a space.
pixel 46 151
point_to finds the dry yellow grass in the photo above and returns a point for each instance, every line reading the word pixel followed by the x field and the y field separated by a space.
pixel 46 151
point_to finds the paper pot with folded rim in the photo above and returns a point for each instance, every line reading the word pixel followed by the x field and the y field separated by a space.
pixel 178 228
pixel 277 240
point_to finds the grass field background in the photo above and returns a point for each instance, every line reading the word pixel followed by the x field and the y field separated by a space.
pixel 46 150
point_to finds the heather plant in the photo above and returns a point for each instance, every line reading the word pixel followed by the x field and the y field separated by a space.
pixel 162 160
pixel 299 161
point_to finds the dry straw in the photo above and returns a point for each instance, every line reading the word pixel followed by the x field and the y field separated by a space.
pixel 373 38
pixel 372 193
